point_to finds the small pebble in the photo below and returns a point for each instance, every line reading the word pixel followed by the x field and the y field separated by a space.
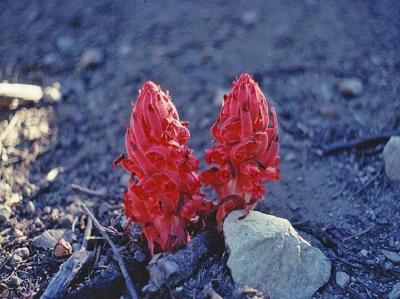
pixel 18 233
pixel 30 207
pixel 388 265
pixel 364 252
pixel 65 43
pixel 342 279
pixel 23 252
pixel 250 17
pixel 392 256
pixel 47 209
pixel 5 213
pixel 14 281
pixel 91 58
pixel 66 220
pixel 350 87
pixel 15 260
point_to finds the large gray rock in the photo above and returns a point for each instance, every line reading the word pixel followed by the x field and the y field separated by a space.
pixel 267 253
pixel 391 155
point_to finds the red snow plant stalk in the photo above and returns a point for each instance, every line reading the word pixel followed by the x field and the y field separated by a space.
pixel 247 150
pixel 163 193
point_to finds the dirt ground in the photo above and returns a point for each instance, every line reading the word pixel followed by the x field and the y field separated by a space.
pixel 99 53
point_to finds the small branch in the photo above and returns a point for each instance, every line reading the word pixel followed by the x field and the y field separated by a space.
pixel 9 127
pixel 87 191
pixel 21 91
pixel 358 234
pixel 86 235
pixel 128 281
pixel 362 142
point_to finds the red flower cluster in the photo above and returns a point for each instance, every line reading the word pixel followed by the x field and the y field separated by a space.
pixel 247 153
pixel 163 193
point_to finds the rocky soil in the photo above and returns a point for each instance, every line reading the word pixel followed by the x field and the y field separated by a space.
pixel 330 68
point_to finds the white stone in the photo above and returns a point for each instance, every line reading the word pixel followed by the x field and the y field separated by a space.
pixel 391 156
pixel 350 87
pixel 342 279
pixel 395 292
pixel 5 213
pixel 267 253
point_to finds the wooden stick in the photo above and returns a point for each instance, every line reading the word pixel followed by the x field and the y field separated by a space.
pixel 22 91
pixel 86 235
pixel 87 190
pixel 67 273
pixel 128 281
pixel 358 234
pixel 362 142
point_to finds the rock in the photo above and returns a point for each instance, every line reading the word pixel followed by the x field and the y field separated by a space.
pixel 48 239
pixel 364 252
pixel 395 292
pixel 91 58
pixel 250 17
pixel 18 233
pixel 14 281
pixel 342 279
pixel 388 265
pixel 66 220
pixel 65 43
pixel 5 213
pixel 350 87
pixel 23 252
pixel 392 256
pixel 266 253
pixel 124 179
pixel 30 207
pixel 15 260
pixel 391 156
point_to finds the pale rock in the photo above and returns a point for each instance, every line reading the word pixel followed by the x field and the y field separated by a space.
pixel 395 292
pixel 5 213
pixel 350 87
pixel 392 256
pixel 267 253
pixel 391 156
pixel 23 252
pixel 48 239
pixel 342 279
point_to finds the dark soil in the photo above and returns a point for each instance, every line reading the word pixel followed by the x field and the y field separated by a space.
pixel 298 51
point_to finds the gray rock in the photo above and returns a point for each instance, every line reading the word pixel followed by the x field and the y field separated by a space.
pixel 48 239
pixel 266 253
pixel 391 256
pixel 91 58
pixel 5 213
pixel 30 207
pixel 15 260
pixel 23 252
pixel 395 292
pixel 65 43
pixel 391 156
pixel 14 281
pixel 364 252
pixel 350 87
pixel 342 279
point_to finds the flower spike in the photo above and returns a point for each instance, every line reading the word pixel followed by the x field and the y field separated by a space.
pixel 247 150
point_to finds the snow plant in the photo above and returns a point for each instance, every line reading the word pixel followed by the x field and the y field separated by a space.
pixel 164 191
pixel 246 153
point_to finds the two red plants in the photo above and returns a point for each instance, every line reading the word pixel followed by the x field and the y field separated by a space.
pixel 164 190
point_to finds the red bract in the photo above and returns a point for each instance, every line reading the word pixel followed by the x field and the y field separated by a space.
pixel 163 193
pixel 247 150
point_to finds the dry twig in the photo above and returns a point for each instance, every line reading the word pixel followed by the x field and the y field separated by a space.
pixel 87 190
pixel 128 281
pixel 358 234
